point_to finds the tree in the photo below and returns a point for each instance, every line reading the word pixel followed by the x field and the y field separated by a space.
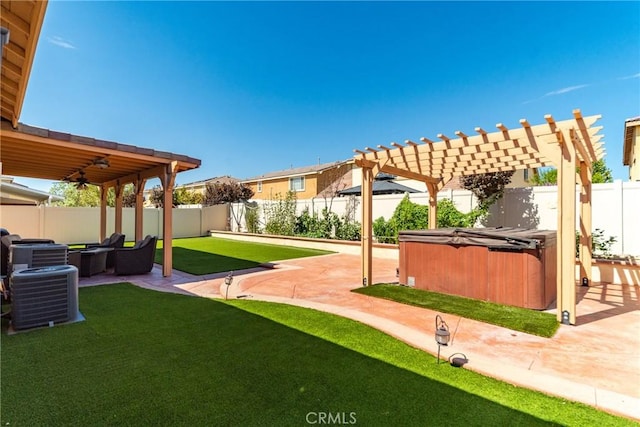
pixel 600 172
pixel 187 197
pixel 90 196
pixel 156 197
pixel 74 197
pixel 487 187
pixel 545 176
pixel 218 193
pixel 549 176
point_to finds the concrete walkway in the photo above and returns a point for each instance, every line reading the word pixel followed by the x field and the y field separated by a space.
pixel 596 362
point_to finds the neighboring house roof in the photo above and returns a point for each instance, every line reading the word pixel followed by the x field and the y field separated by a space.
pixel 12 193
pixel 219 179
pixel 304 170
pixel 629 124
pixel 380 186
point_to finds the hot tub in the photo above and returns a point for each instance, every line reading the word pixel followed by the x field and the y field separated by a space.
pixel 511 266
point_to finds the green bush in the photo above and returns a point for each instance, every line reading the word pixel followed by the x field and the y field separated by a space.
pixel 600 246
pixel 328 226
pixel 252 218
pixel 412 216
pixel 280 215
pixel 450 216
pixel 385 231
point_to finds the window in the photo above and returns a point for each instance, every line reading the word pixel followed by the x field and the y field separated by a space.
pixel 259 186
pixel 296 184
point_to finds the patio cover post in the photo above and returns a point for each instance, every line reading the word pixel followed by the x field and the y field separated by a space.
pixel 566 246
pixel 367 215
pixel 168 179
pixel 118 190
pixel 139 189
pixel 103 212
pixel 586 248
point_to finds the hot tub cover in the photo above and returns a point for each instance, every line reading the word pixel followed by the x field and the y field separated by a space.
pixel 497 237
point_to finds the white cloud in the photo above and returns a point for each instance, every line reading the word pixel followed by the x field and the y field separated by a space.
pixel 59 41
pixel 633 76
pixel 565 90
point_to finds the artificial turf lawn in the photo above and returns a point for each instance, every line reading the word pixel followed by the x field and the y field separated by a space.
pixel 204 255
pixel 150 358
pixel 515 318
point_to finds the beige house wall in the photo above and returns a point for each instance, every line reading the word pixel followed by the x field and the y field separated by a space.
pixel 272 187
pixel 634 163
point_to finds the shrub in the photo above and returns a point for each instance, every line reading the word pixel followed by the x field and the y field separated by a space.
pixel 252 218
pixel 600 246
pixel 410 216
pixel 328 226
pixel 385 231
pixel 450 216
pixel 280 215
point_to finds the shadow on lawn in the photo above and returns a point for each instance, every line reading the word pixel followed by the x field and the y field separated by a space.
pixel 201 262
pixel 172 350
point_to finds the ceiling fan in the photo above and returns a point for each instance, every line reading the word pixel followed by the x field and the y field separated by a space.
pixel 80 182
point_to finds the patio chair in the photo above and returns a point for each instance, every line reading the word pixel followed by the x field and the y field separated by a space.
pixel 115 241
pixel 136 260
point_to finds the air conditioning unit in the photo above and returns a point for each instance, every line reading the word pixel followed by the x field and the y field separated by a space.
pixel 43 296
pixel 37 255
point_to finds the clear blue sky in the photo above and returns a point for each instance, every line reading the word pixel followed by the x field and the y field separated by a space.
pixel 250 88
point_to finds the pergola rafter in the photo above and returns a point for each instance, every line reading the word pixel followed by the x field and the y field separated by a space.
pixel 566 145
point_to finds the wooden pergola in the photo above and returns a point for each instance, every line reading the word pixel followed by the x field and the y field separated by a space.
pixel 34 152
pixel 567 145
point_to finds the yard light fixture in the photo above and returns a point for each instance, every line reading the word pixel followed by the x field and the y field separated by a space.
pixel 442 334
pixel 227 281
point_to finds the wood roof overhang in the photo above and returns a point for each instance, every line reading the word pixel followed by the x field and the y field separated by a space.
pixel 627 148
pixel 24 21
pixel 41 153
pixel 506 150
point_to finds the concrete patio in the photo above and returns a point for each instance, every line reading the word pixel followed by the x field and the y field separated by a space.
pixel 596 362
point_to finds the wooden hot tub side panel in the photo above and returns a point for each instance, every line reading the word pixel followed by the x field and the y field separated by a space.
pixel 506 277
pixel 445 268
pixel 533 283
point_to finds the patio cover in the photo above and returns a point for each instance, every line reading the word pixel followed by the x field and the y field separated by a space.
pixel 566 145
pixel 41 153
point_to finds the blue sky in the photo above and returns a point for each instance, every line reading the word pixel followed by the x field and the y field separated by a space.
pixel 250 88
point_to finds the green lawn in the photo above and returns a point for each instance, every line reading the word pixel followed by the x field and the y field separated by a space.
pixel 150 358
pixel 204 255
pixel 515 318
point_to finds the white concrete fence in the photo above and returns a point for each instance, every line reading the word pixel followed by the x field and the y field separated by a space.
pixel 616 210
pixel 80 225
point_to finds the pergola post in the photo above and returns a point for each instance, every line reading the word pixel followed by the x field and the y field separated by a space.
pixel 139 189
pixel 367 215
pixel 103 213
pixel 566 246
pixel 119 190
pixel 433 205
pixel 168 180
pixel 586 249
